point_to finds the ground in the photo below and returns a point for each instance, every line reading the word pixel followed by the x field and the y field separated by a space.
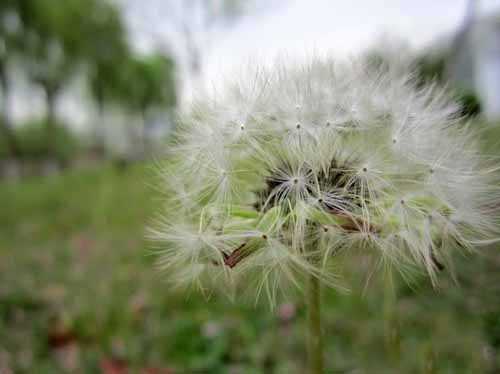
pixel 79 293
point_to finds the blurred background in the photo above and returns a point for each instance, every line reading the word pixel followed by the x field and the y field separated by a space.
pixel 88 94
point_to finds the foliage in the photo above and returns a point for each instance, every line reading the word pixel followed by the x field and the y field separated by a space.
pixel 53 44
pixel 33 142
pixel 432 68
pixel 9 32
pixel 107 54
pixel 4 148
pixel 149 82
pixel 469 102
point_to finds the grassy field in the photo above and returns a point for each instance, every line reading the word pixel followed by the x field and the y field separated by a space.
pixel 79 293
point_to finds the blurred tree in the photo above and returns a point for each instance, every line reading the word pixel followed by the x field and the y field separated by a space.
pixel 9 42
pixel 106 56
pixel 32 140
pixel 55 43
pixel 432 68
pixel 148 83
pixel 52 47
pixel 60 40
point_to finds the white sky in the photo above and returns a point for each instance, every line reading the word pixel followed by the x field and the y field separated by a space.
pixel 301 27
pixel 338 27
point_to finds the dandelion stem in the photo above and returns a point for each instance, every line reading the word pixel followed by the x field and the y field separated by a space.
pixel 314 341
pixel 392 335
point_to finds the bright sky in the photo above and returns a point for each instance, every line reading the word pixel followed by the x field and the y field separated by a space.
pixel 341 27
pixel 302 27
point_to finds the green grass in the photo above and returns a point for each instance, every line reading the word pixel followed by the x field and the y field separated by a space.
pixel 78 289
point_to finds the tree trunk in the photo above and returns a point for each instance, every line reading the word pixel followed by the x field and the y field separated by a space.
pixel 100 130
pixel 5 125
pixel 50 121
pixel 314 339
pixel 145 140
pixel 391 322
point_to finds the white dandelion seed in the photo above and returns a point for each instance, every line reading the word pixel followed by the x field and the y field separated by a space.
pixel 299 163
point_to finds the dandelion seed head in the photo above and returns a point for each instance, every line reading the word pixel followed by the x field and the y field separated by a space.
pixel 299 163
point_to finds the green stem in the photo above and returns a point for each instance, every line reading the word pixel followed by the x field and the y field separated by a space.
pixel 314 341
pixel 392 338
